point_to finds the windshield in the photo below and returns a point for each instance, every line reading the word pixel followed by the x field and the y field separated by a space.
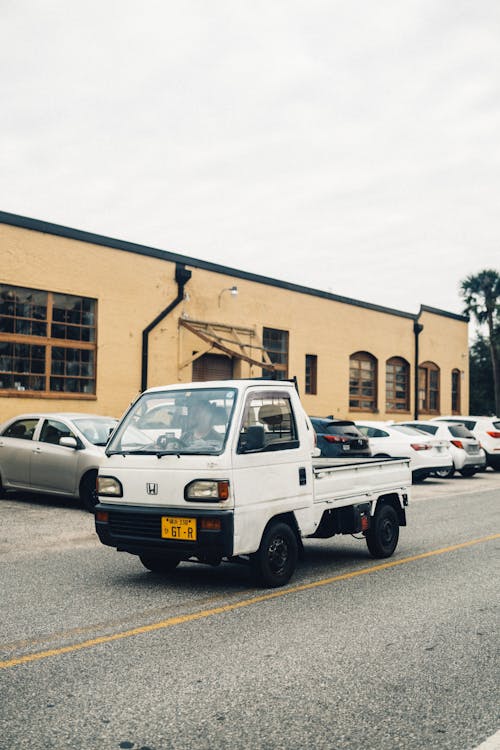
pixel 180 422
pixel 96 430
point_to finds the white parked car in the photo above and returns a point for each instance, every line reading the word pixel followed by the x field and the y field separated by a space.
pixel 427 455
pixel 486 430
pixel 55 454
pixel 466 452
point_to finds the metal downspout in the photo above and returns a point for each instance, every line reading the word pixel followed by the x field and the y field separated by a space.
pixel 182 276
pixel 417 330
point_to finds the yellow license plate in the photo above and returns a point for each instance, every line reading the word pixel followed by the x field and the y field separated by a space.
pixel 178 528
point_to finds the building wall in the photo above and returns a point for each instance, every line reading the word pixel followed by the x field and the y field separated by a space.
pixel 131 289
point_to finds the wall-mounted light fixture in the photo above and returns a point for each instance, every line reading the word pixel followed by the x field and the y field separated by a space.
pixel 232 289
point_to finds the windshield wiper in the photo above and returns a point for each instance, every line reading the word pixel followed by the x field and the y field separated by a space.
pixel 136 452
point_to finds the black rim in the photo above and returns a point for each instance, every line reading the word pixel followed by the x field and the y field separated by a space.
pixel 387 532
pixel 277 555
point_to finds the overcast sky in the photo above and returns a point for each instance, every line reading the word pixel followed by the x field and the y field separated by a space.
pixel 347 146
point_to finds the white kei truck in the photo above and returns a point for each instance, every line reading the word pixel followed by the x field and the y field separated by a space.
pixel 227 470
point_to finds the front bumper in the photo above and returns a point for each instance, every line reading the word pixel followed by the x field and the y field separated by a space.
pixel 131 528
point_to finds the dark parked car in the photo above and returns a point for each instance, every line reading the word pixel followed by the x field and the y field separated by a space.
pixel 340 437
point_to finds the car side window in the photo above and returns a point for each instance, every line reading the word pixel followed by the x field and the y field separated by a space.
pixel 53 431
pixel 371 432
pixel 22 429
pixel 268 424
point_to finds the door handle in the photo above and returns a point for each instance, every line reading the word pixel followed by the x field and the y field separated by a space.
pixel 302 476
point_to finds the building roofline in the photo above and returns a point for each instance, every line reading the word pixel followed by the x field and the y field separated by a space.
pixel 444 313
pixel 80 235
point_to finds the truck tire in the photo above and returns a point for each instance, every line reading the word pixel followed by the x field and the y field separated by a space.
pixel 274 562
pixel 160 564
pixel 382 537
pixel 88 491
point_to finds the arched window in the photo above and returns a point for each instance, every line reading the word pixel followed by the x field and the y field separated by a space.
pixel 362 382
pixel 397 384
pixel 455 391
pixel 428 388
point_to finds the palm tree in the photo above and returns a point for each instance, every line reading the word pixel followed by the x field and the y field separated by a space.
pixel 481 294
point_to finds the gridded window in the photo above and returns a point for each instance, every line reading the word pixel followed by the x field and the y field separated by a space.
pixel 23 311
pixel 362 382
pixel 428 388
pixel 455 391
pixel 74 369
pixel 47 341
pixel 275 342
pixel 311 373
pixel 22 366
pixel 73 318
pixel 397 384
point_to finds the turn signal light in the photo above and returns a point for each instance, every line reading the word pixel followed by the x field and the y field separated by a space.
pixel 421 446
pixel 210 524
pixel 457 443
pixel 102 516
pixel 494 434
pixel 336 439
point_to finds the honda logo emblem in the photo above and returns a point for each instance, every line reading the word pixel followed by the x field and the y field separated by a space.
pixel 152 488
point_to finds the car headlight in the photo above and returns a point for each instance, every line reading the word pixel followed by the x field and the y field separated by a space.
pixel 208 490
pixel 109 486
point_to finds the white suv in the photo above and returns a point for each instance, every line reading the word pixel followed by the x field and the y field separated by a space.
pixel 486 430
pixel 465 449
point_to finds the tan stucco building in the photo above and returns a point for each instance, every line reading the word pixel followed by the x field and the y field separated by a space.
pixel 87 322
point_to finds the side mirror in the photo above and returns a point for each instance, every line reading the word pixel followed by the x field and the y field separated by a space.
pixel 68 442
pixel 254 439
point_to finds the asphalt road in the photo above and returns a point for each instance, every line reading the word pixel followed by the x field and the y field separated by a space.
pixel 98 654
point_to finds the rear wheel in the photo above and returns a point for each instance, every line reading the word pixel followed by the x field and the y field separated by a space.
pixel 88 491
pixel 444 473
pixel 160 563
pixel 468 472
pixel 382 537
pixel 274 562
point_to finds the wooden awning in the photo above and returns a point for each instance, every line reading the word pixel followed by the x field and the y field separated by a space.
pixel 229 340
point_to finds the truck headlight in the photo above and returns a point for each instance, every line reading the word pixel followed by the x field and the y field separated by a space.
pixel 109 486
pixel 208 490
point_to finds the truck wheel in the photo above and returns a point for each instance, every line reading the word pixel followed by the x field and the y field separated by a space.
pixel 88 491
pixel 160 564
pixel 382 537
pixel 274 562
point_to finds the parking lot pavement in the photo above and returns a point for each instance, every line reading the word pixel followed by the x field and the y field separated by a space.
pixel 53 523
pixel 483 481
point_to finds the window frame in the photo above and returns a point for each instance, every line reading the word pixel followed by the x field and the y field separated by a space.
pixel 48 343
pixel 456 393
pixel 281 356
pixel 311 375
pixel 425 371
pixel 363 356
pixel 397 362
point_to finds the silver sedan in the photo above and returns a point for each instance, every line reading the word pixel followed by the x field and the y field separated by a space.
pixel 56 454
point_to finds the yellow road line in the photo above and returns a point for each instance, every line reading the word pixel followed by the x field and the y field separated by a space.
pixel 181 619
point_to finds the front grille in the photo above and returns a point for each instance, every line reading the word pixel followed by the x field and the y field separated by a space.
pixel 146 525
